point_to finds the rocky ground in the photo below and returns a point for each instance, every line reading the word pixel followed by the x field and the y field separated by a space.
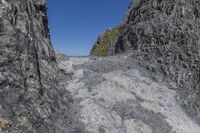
pixel 114 96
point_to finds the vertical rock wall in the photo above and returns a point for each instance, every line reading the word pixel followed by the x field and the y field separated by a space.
pixel 31 99
pixel 164 36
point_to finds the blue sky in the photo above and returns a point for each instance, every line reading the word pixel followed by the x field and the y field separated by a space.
pixel 76 24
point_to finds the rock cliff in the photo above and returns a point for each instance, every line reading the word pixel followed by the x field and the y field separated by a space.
pixel 31 97
pixel 45 92
pixel 164 37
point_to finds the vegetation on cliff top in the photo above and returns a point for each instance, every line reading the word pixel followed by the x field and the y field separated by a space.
pixel 103 43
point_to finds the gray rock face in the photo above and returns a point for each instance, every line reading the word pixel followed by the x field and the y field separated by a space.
pixel 44 92
pixel 31 98
pixel 164 36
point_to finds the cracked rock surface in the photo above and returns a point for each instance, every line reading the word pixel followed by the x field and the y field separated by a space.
pixel 45 92
pixel 164 37
pixel 31 97
pixel 115 96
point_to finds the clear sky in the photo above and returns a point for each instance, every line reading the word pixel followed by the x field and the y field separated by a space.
pixel 76 24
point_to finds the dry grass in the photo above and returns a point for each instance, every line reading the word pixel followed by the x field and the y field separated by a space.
pixel 2 125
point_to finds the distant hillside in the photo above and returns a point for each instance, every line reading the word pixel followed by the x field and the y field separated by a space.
pixel 104 41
